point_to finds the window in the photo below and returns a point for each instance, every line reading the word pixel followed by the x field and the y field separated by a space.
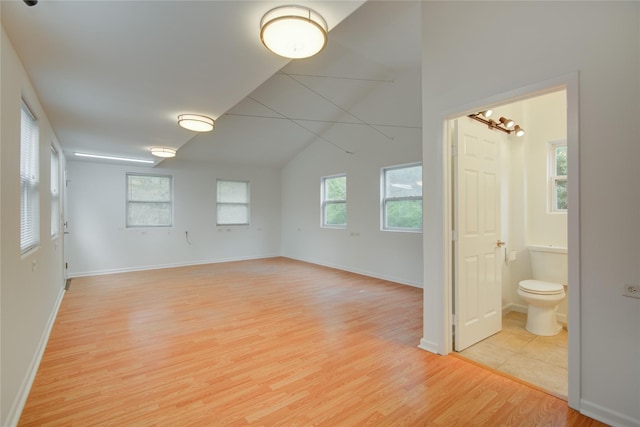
pixel 149 201
pixel 402 198
pixel 233 203
pixel 29 181
pixel 55 192
pixel 558 176
pixel 334 201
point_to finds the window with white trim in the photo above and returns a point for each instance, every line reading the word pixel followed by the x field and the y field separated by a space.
pixel 149 200
pixel 402 198
pixel 29 181
pixel 232 202
pixel 558 176
pixel 55 192
pixel 334 201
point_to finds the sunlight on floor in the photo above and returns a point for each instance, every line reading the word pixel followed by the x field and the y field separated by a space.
pixel 541 361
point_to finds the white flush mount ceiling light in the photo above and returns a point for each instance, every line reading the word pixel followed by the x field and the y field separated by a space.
pixel 196 122
pixel 293 31
pixel 164 152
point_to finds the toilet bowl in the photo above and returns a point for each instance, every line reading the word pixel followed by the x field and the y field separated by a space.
pixel 544 292
pixel 542 299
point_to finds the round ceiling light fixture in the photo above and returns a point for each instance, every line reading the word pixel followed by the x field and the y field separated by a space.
pixel 293 31
pixel 196 122
pixel 164 152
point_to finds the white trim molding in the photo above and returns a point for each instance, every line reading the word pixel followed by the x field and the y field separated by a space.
pixel 13 415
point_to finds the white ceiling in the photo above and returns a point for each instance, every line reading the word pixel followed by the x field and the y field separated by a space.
pixel 112 77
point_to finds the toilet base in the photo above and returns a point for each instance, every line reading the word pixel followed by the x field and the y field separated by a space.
pixel 542 321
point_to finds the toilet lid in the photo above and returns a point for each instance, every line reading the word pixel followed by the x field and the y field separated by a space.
pixel 541 288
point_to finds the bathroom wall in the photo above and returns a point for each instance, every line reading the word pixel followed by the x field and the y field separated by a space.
pixel 545 119
pixel 530 222
pixel 514 181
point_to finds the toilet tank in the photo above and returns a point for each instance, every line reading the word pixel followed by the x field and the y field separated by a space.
pixel 549 263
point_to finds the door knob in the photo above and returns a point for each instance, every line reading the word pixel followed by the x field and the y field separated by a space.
pixel 500 243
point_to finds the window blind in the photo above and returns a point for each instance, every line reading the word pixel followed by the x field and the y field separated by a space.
pixel 233 202
pixel 149 201
pixel 55 192
pixel 29 180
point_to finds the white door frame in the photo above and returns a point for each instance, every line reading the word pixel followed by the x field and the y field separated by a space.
pixel 570 83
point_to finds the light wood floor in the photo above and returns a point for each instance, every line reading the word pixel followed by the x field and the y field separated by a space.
pixel 270 342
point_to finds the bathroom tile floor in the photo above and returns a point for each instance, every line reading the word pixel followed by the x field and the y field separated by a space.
pixel 540 361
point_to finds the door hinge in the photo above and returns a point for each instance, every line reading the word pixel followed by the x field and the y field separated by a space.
pixel 454 150
pixel 454 235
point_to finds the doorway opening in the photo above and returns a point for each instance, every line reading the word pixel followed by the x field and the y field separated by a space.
pixel 507 199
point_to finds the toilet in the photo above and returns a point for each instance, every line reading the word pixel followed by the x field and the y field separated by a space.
pixel 546 290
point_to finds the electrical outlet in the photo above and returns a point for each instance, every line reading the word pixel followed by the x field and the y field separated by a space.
pixel 632 291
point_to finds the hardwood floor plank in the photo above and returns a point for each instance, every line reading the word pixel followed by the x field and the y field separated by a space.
pixel 271 342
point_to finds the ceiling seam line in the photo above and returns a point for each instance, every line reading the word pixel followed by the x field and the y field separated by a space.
pixel 320 76
pixel 338 106
pixel 303 127
pixel 321 121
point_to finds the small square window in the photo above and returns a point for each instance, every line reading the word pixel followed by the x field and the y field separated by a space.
pixel 558 176
pixel 334 201
pixel 232 202
pixel 149 201
pixel 402 198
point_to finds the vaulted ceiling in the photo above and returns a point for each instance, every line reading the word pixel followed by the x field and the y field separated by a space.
pixel 112 77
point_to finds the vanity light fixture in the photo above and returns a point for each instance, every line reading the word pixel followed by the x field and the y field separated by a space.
pixel 164 152
pixel 518 130
pixel 503 124
pixel 196 122
pixel 293 31
pixel 508 123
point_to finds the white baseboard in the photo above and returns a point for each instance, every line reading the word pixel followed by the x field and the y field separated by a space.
pixel 13 415
pixel 520 308
pixel 361 272
pixel 606 415
pixel 430 346
pixel 394 279
pixel 160 266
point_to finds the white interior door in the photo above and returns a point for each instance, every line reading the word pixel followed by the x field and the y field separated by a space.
pixel 478 254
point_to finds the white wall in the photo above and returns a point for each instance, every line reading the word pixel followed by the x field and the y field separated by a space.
pixel 545 119
pixel 99 241
pixel 31 285
pixel 553 39
pixel 362 247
